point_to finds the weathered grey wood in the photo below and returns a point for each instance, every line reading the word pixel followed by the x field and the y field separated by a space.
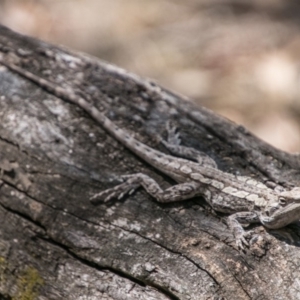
pixel 55 245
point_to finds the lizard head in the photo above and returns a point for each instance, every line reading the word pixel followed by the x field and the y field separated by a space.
pixel 282 212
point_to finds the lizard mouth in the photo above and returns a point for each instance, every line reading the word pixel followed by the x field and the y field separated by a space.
pixel 282 217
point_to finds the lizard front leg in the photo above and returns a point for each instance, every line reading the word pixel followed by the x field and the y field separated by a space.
pixel 237 221
pixel 175 193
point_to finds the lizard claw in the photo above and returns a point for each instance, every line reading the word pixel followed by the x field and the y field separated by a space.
pixel 117 192
pixel 132 179
pixel 241 241
pixel 104 196
pixel 173 134
pixel 257 244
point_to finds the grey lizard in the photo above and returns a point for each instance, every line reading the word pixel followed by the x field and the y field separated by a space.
pixel 243 198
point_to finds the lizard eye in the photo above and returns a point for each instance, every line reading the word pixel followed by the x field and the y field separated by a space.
pixel 282 201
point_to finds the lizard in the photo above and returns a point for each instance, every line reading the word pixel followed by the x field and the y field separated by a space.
pixel 196 174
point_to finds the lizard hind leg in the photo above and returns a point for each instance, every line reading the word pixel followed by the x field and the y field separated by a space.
pixel 173 145
pixel 175 193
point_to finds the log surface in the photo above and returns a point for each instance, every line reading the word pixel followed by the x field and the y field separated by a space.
pixel 54 244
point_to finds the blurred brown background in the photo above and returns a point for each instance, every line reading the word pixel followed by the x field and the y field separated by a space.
pixel 240 58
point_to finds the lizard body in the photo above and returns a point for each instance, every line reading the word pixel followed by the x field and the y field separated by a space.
pixel 245 199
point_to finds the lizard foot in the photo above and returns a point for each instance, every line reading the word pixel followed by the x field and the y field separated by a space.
pixel 240 240
pixel 117 192
pixel 173 134
pixel 257 244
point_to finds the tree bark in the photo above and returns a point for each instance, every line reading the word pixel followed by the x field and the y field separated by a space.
pixel 54 244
